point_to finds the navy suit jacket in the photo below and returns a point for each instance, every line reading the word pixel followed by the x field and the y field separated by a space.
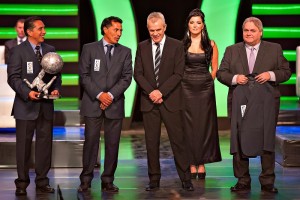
pixel 96 77
pixel 20 58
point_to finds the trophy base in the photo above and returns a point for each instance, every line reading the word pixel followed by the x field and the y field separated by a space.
pixel 51 96
pixel 44 96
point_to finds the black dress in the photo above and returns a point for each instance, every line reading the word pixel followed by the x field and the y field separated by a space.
pixel 200 115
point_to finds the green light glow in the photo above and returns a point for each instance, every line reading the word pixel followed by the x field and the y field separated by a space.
pixel 122 9
pixel 275 9
pixel 290 55
pixel 68 56
pixel 221 20
pixel 51 33
pixel 70 79
pixel 39 9
pixel 291 81
pixel 281 32
pixel 67 99
pixel 289 98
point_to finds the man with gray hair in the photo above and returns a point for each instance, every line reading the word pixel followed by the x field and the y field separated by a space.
pixel 159 66
pixel 249 66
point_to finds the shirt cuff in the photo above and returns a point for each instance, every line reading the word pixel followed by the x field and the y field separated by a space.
pixel 233 82
pixel 112 96
pixel 273 77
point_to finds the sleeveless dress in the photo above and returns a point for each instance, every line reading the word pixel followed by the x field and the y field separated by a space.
pixel 200 115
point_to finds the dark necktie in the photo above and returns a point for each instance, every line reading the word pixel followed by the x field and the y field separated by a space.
pixel 156 63
pixel 108 54
pixel 251 60
pixel 38 54
pixel 20 41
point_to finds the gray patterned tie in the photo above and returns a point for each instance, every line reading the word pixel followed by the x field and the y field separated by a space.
pixel 108 54
pixel 156 63
pixel 251 60
pixel 38 54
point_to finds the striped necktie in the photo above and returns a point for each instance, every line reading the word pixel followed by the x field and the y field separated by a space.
pixel 157 62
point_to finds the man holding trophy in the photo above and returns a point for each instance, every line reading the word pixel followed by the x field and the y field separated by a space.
pixel 36 85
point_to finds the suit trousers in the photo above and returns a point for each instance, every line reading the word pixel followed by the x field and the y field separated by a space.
pixel 241 169
pixel 43 149
pixel 173 122
pixel 112 133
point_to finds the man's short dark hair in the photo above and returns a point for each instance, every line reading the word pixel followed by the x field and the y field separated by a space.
pixel 107 22
pixel 29 23
pixel 20 20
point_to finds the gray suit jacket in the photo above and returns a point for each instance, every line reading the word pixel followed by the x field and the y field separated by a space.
pixel 96 77
pixel 269 58
pixel 17 69
pixel 170 74
pixel 253 120
pixel 8 46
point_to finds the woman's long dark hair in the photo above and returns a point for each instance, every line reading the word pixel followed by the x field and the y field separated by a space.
pixel 205 41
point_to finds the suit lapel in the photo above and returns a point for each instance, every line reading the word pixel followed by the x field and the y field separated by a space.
pixel 149 56
pixel 100 49
pixel 259 57
pixel 243 56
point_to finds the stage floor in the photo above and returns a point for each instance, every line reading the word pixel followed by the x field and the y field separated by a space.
pixel 131 175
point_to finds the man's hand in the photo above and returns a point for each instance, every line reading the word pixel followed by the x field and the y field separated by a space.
pixel 55 92
pixel 156 96
pixel 33 95
pixel 241 79
pixel 105 99
pixel 102 106
pixel 263 77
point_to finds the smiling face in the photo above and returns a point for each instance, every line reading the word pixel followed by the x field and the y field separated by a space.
pixel 156 28
pixel 251 34
pixel 195 25
pixel 113 33
pixel 36 35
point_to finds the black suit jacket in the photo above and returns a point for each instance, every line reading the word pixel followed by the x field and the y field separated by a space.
pixel 253 120
pixel 8 46
pixel 20 57
pixel 269 58
pixel 170 73
pixel 114 79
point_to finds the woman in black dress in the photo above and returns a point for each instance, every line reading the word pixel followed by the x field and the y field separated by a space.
pixel 200 116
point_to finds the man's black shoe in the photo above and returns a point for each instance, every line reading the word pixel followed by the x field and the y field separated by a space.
pixel 45 189
pixel 83 187
pixel 20 192
pixel 109 187
pixel 188 186
pixel 152 186
pixel 240 187
pixel 269 188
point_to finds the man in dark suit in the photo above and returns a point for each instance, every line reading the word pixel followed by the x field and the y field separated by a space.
pixel 254 56
pixel 159 66
pixel 105 69
pixel 21 37
pixel 31 113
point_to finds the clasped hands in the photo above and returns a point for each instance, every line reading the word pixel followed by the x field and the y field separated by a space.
pixel 105 100
pixel 261 78
pixel 156 97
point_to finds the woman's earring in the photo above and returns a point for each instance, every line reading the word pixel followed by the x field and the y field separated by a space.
pixel 188 33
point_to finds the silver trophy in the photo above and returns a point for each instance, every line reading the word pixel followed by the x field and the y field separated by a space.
pixel 52 63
